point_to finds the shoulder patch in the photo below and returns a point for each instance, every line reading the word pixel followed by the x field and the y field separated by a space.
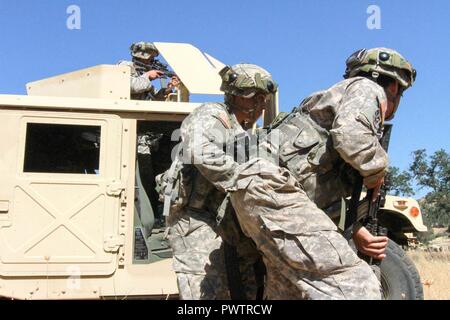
pixel 215 110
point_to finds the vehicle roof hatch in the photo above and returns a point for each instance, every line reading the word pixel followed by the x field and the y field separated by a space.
pixel 198 71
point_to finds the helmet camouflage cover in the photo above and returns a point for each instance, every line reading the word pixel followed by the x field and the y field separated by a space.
pixel 143 50
pixel 383 61
pixel 246 80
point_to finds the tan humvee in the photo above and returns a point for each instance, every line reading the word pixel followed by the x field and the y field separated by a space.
pixel 70 226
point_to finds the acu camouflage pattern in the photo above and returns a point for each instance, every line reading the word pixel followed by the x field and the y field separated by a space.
pixel 300 244
pixel 194 234
pixel 298 241
pixel 305 256
pixel 141 88
pixel 329 134
pixel 143 50
pixel 381 61
pixel 246 80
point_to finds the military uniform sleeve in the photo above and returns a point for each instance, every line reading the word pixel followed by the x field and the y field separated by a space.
pixel 138 83
pixel 204 140
pixel 357 128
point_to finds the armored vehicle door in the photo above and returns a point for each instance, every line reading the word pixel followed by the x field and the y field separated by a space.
pixel 61 194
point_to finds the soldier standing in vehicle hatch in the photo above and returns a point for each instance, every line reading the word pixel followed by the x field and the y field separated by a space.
pixel 142 74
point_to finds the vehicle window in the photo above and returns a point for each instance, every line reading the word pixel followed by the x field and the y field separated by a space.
pixel 61 148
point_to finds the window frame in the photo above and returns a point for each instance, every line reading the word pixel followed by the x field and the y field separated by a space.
pixel 102 124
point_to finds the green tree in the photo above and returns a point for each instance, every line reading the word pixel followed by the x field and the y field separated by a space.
pixel 399 183
pixel 433 173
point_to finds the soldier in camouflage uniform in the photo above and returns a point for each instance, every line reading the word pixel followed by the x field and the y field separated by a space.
pixel 141 76
pixel 336 131
pixel 297 240
pixel 208 171
pixel 304 254
pixel 141 88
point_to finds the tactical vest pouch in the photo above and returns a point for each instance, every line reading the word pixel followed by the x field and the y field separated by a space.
pixel 305 137
pixel 307 153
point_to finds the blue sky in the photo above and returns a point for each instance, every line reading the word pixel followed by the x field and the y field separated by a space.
pixel 303 43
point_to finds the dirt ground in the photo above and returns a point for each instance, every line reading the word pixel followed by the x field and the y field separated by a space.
pixel 434 270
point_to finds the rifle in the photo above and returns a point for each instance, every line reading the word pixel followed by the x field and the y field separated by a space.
pixel 241 148
pixel 371 217
pixel 155 64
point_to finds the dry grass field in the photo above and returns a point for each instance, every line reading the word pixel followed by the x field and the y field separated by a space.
pixel 434 269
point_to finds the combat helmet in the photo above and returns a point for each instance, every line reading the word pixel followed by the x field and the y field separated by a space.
pixel 143 50
pixel 381 61
pixel 245 80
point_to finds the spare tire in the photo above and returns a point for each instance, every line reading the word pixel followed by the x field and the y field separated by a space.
pixel 400 279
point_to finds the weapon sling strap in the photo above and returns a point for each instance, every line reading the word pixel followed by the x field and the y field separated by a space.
pixel 352 213
pixel 234 277
pixel 233 272
pixel 168 193
pixel 260 273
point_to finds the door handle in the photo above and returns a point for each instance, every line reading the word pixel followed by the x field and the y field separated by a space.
pixel 4 206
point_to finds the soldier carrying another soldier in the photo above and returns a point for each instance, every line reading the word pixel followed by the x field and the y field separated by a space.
pixel 333 137
pixel 296 239
pixel 200 219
